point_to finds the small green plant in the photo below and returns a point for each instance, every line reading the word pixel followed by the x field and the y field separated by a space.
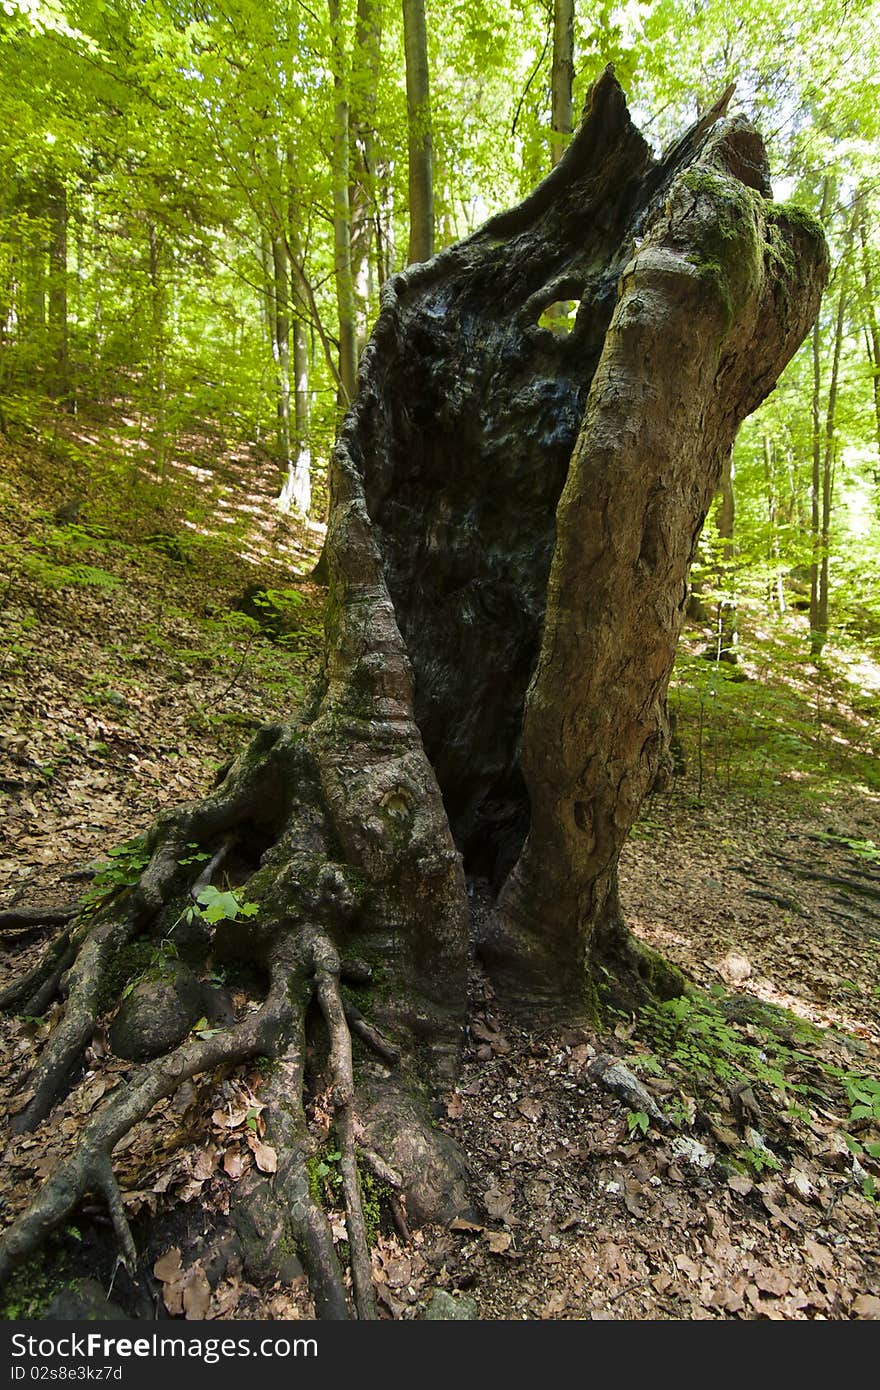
pixel 325 1179
pixel 198 857
pixel 373 1193
pixel 203 1030
pixel 122 868
pixel 863 849
pixel 637 1122
pixel 693 1038
pixel 759 1159
pixel 218 905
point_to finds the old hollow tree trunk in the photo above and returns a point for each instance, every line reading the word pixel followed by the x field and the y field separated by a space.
pixel 515 508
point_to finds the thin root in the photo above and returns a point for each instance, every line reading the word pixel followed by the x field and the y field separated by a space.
pixel 330 999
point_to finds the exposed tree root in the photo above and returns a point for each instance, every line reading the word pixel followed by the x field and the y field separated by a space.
pixel 72 1034
pixel 327 973
pixel 86 1169
pixel 41 983
pixel 21 921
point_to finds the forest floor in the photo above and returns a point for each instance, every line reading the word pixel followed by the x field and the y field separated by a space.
pixel 134 664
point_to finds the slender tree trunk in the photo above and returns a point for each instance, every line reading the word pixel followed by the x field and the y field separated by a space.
pixel 816 638
pixel 33 279
pixel 365 222
pixel 829 458
pixel 872 330
pixel 418 106
pixel 824 455
pixel 726 639
pixel 59 377
pixel 345 299
pixel 281 348
pixel 776 587
pixel 816 635
pixel 296 494
pixel 158 346
pixel 562 78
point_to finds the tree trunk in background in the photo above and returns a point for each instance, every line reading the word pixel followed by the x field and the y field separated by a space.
pixel 296 493
pixel 816 638
pixel 281 355
pixel 777 591
pixel 562 78
pixel 726 634
pixel 345 300
pixel 418 108
pixel 157 346
pixel 824 457
pixel 366 228
pixel 59 372
pixel 872 330
pixel 32 278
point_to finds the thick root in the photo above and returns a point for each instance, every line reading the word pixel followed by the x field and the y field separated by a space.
pixel 27 920
pixel 305 964
pixel 72 1034
pixel 26 993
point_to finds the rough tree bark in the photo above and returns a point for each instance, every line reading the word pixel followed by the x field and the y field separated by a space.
pixel 513 518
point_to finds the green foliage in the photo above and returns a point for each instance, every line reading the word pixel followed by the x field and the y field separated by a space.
pixel 325 1179
pixel 147 961
pixel 122 869
pixel 691 1036
pixel 759 1160
pixel 218 905
pixel 374 1195
pixel 29 1288
pixel 637 1122
pixel 51 562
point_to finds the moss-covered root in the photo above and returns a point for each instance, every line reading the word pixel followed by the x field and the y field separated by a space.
pixel 629 973
pixel 64 1050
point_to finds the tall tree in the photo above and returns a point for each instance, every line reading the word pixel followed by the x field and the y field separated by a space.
pixel 342 260
pixel 562 80
pixel 419 138
pixel 824 453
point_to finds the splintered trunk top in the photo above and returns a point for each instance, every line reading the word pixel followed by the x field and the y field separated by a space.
pixel 532 488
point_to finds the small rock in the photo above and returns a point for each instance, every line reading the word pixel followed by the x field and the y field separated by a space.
pixel 757 1142
pixel 725 1136
pixel 83 1301
pixel 157 1015
pixel 735 968
pixel 692 1151
pixel 612 1074
pixel 442 1307
pixel 216 1005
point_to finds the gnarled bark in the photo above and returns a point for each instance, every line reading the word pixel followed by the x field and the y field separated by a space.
pixel 514 511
